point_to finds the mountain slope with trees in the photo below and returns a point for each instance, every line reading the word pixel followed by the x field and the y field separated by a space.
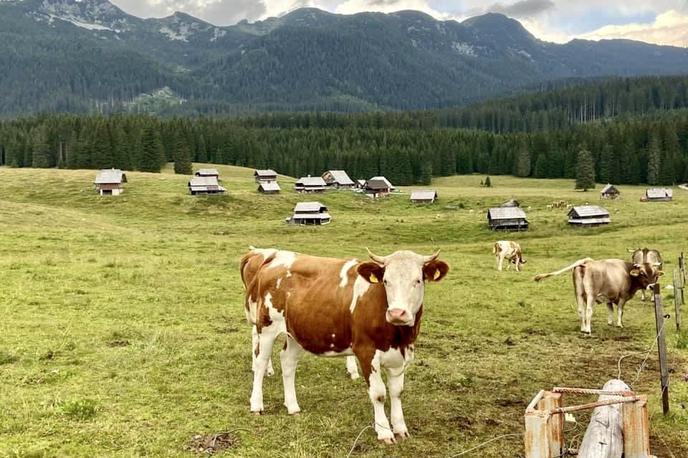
pixel 90 56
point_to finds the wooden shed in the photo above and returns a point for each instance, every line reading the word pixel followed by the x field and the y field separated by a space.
pixel 378 187
pixel 310 184
pixel 589 216
pixel 507 219
pixel 265 175
pixel 426 196
pixel 609 192
pixel 337 179
pixel 109 182
pixel 205 185
pixel 269 187
pixel 310 213
pixel 658 195
pixel 207 173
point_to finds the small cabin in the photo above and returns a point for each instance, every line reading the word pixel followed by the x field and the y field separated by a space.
pixel 269 187
pixel 265 175
pixel 377 187
pixel 310 184
pixel 507 219
pixel 658 195
pixel 337 179
pixel 609 192
pixel 207 173
pixel 205 185
pixel 589 216
pixel 427 196
pixel 109 182
pixel 310 213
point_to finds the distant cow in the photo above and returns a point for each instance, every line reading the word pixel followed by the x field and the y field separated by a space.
pixel 511 251
pixel 613 279
pixel 643 255
pixel 338 307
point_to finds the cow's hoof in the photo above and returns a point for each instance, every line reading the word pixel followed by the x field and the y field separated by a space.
pixel 270 372
pixel 294 411
pixel 619 326
pixel 610 323
pixel 257 413
pixel 402 435
pixel 354 376
pixel 388 440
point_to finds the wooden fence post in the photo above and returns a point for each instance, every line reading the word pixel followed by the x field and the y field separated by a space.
pixel 536 438
pixel 661 348
pixel 679 297
pixel 636 427
pixel 555 423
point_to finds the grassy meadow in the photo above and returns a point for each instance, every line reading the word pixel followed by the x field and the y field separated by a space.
pixel 122 331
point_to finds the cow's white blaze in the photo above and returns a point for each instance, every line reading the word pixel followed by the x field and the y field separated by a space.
pixel 283 259
pixel 344 273
pixel 403 282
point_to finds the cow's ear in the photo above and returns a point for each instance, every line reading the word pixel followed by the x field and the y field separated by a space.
pixel 634 272
pixel 435 270
pixel 371 271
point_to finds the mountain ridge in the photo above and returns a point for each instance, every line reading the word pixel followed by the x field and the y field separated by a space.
pixel 307 59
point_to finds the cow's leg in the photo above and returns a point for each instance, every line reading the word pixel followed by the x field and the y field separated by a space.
pixel 370 365
pixel 499 259
pixel 352 367
pixel 395 380
pixel 581 298
pixel 289 357
pixel 642 295
pixel 508 264
pixel 266 337
pixel 619 312
pixel 254 351
pixel 610 313
pixel 590 303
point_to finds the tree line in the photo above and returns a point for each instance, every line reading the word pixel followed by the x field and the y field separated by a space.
pixel 651 149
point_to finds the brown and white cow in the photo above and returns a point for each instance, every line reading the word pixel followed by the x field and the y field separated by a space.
pixel 511 251
pixel 613 279
pixel 643 255
pixel 338 307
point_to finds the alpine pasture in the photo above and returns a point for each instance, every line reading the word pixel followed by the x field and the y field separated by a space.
pixel 123 331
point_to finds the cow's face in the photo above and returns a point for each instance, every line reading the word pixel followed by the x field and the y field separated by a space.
pixel 403 275
pixel 646 274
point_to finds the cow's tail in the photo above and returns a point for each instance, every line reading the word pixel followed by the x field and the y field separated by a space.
pixel 496 248
pixel 242 265
pixel 580 262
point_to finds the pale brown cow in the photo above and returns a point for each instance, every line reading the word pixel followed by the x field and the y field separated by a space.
pixel 338 307
pixel 615 280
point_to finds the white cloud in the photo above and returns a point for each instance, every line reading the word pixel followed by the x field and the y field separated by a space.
pixel 388 6
pixel 670 28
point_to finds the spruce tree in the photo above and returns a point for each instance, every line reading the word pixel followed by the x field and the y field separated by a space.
pixel 488 182
pixel 182 157
pixel 151 151
pixel 522 168
pixel 654 161
pixel 585 170
pixel 40 149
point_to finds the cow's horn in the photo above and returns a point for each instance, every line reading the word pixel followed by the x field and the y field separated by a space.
pixel 657 264
pixel 432 257
pixel 376 258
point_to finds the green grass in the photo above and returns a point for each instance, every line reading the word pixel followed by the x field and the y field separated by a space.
pixel 123 332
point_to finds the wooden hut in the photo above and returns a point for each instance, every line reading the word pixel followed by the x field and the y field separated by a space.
pixel 310 184
pixel 265 175
pixel 658 195
pixel 208 173
pixel 588 216
pixel 269 187
pixel 609 192
pixel 507 219
pixel 310 213
pixel 205 185
pixel 426 196
pixel 109 182
pixel 377 187
pixel 337 179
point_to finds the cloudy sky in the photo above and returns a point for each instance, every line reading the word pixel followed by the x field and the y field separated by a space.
pixel 657 21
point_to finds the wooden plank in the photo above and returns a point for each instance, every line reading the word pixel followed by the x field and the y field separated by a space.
pixel 555 423
pixel 604 437
pixel 636 427
pixel 661 348
pixel 536 439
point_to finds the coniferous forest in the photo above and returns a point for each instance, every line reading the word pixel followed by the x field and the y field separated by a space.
pixel 635 130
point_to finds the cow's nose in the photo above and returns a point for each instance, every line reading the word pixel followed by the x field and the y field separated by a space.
pixel 398 314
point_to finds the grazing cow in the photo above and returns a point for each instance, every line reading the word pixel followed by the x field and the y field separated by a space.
pixel 643 255
pixel 511 251
pixel 338 307
pixel 613 279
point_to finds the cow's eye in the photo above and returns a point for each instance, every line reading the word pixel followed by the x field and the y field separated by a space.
pixel 385 282
pixel 418 282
